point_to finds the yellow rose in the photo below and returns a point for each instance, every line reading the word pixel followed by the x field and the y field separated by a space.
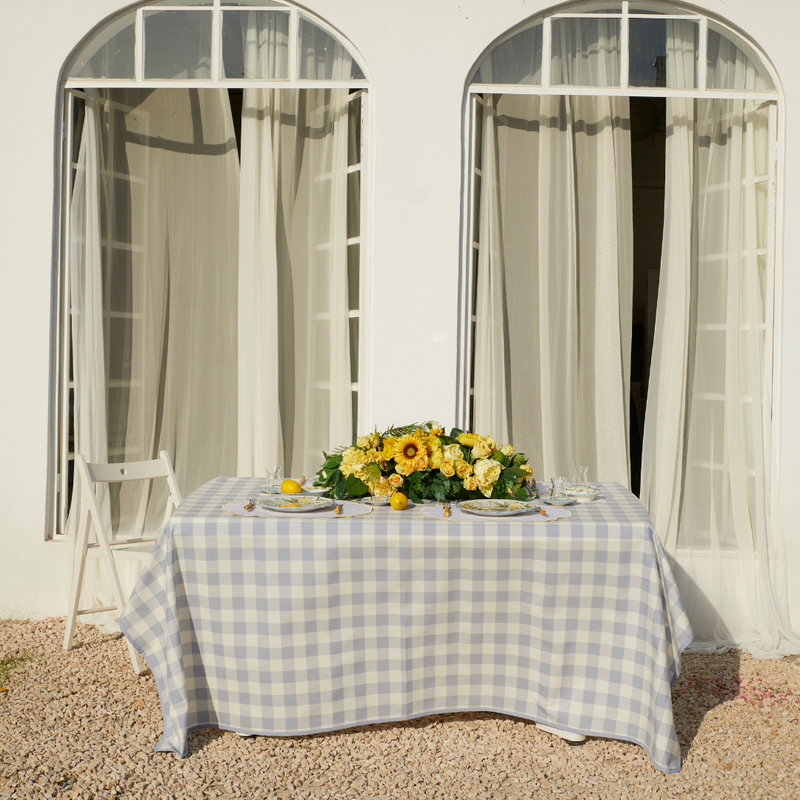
pixel 468 439
pixel 396 480
pixel 462 468
pixel 448 468
pixel 486 488
pixel 453 452
pixel 487 471
pixel 421 462
pixel 470 483
pixel 492 443
pixel 481 449
pixel 507 450
pixel 436 459
pixel 369 442
pixel 405 468
pixel 526 468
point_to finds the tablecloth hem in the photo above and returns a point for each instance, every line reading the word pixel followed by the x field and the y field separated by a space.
pixel 163 747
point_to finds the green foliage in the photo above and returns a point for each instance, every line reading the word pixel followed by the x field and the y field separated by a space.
pixel 427 484
pixel 9 662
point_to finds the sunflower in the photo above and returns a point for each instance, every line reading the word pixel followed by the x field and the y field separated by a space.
pixel 407 450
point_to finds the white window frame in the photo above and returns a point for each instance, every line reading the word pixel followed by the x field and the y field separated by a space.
pixel 60 454
pixel 475 93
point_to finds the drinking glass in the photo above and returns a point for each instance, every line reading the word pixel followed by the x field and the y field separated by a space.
pixel 380 488
pixel 557 487
pixel 579 476
pixel 273 477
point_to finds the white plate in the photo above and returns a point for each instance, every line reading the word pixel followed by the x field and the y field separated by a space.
pixel 496 508
pixel 582 491
pixel 294 503
pixel 566 501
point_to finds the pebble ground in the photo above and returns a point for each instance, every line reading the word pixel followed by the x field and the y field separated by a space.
pixel 81 725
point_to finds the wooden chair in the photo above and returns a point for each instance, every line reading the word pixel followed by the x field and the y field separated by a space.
pixel 91 518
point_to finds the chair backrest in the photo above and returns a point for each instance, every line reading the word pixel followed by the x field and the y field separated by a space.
pixel 130 471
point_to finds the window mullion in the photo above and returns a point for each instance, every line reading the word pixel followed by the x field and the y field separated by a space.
pixel 294 33
pixel 702 54
pixel 216 46
pixel 546 49
pixel 624 60
pixel 138 50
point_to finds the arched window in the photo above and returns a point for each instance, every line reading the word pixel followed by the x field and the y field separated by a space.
pixel 210 288
pixel 620 273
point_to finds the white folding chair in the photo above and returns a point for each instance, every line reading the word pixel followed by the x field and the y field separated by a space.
pixel 91 518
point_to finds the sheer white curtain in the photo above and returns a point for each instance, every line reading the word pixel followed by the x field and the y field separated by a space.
pixel 154 276
pixel 555 280
pixel 295 396
pixel 708 477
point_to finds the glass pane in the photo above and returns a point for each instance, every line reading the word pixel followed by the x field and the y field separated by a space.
pixel 354 349
pixel 596 7
pixel 181 3
pixel 252 3
pixel 663 53
pixel 585 52
pixel 517 60
pixel 655 8
pixel 733 64
pixel 353 276
pixel 353 205
pixel 177 44
pixel 321 57
pixel 354 132
pixel 255 44
pixel 109 54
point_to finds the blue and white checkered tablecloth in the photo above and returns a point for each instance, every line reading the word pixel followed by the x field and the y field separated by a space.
pixel 295 625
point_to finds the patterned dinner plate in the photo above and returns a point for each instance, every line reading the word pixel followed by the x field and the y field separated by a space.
pixel 582 491
pixel 496 508
pixel 312 490
pixel 293 503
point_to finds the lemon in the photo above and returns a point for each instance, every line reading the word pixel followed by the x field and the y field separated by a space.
pixel 290 487
pixel 398 501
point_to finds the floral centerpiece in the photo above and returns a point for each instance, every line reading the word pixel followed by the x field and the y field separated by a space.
pixel 425 464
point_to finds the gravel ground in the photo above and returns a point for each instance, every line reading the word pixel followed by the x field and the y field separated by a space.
pixel 81 725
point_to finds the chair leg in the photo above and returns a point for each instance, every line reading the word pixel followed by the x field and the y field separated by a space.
pixel 138 662
pixel 82 546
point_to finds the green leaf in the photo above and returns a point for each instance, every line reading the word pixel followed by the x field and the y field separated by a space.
pixel 355 487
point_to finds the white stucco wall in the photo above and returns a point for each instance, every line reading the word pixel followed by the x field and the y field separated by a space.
pixel 419 53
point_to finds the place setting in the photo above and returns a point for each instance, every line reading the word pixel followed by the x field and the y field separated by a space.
pixel 293 496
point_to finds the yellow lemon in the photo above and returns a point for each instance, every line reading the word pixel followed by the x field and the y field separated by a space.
pixel 398 501
pixel 290 487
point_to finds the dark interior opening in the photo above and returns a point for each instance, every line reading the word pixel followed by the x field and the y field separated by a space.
pixel 648 154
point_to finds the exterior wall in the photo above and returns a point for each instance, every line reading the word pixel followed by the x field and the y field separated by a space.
pixel 419 53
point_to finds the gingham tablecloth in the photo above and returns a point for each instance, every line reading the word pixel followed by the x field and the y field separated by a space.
pixel 294 625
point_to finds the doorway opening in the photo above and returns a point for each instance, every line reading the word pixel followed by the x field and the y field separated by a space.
pixel 648 157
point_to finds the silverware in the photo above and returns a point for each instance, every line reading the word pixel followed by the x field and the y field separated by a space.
pixel 446 510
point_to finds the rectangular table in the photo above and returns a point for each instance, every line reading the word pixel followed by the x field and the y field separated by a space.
pixel 294 625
